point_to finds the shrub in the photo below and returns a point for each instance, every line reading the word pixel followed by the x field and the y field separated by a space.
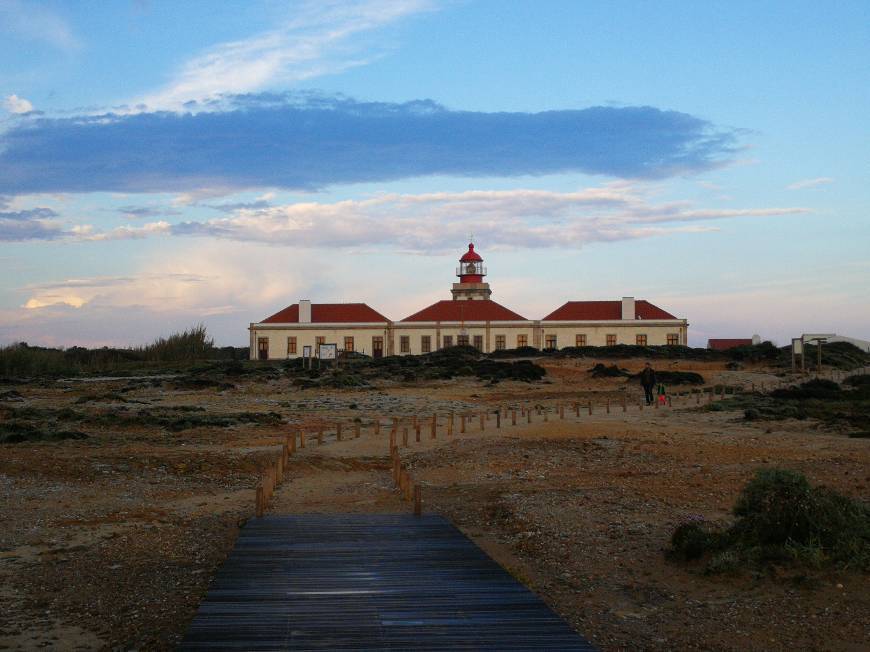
pixel 780 517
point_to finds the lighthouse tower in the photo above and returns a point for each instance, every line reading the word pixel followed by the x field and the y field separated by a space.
pixel 471 272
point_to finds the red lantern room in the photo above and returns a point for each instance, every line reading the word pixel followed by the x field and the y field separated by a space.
pixel 471 269
pixel 471 272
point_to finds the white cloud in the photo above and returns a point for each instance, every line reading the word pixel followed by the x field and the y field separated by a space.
pixel 809 183
pixel 434 222
pixel 36 22
pixel 319 40
pixel 15 104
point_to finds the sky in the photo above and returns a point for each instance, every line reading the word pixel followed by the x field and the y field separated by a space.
pixel 164 164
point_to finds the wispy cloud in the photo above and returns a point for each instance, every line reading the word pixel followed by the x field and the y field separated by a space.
pixel 303 141
pixel 34 21
pixel 319 40
pixel 142 212
pixel 433 222
pixel 18 105
pixel 31 224
pixel 809 183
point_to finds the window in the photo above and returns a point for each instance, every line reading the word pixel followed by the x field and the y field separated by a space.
pixel 478 342
pixel 462 340
pixel 611 340
pixel 426 343
pixel 348 344
pixel 640 340
pixel 550 342
pixel 580 339
pixel 673 339
pixel 405 344
pixel 500 342
pixel 320 339
pixel 448 341
pixel 522 340
pixel 291 346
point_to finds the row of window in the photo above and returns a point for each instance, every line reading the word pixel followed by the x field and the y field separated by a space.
pixel 550 342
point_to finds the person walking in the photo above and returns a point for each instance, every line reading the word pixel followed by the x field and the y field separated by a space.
pixel 648 381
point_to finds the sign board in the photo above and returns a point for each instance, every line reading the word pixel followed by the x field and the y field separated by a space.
pixel 328 351
pixel 306 351
pixel 797 346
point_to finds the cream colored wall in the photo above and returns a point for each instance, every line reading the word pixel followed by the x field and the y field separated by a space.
pixel 596 335
pixel 305 336
pixel 626 332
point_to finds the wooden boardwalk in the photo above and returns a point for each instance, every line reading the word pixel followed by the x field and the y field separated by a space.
pixel 369 582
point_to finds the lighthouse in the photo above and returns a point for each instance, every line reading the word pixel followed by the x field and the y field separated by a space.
pixel 471 272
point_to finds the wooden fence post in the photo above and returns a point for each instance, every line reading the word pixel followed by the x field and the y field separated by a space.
pixel 577 409
pixel 450 425
pixel 498 419
pixel 528 415
pixel 392 441
pixel 462 424
pixel 259 508
pixel 434 433
pixel 417 431
pixel 608 406
pixel 513 417
pixel 482 421
pixel 292 441
pixel 338 431
pixel 377 425
pixel 356 430
pixel 418 500
pixel 624 403
pixel 302 438
pixel 546 414
pixel 405 436
pixel 320 436
pixel 562 412
pixel 590 408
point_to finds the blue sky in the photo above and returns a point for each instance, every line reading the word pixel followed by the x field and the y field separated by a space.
pixel 166 163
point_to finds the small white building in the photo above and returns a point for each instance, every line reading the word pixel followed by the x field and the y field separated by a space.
pixel 471 317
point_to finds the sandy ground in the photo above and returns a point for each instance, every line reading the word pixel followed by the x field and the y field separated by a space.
pixel 110 542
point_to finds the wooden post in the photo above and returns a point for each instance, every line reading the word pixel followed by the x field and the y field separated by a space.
pixel 292 440
pixel 405 436
pixel 415 420
pixel 624 403
pixel 417 431
pixel 462 424
pixel 434 433
pixel 377 425
pixel 590 408
pixel 546 414
pixel 320 436
pixel 392 441
pixel 608 406
pixel 577 409
pixel 356 430
pixel 302 438
pixel 513 417
pixel 418 500
pixel 407 488
pixel 259 508
pixel 498 419
pixel 670 402
pixel 338 432
pixel 450 425
pixel 562 412
pixel 656 401
pixel 396 425
pixel 482 421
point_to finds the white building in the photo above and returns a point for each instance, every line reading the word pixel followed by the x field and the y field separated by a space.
pixel 471 317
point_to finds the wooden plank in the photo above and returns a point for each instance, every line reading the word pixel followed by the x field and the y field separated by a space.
pixel 369 582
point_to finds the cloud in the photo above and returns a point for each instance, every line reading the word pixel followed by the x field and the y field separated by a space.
pixel 809 183
pixel 433 222
pixel 320 39
pixel 140 212
pixel 36 22
pixel 306 142
pixel 237 206
pixel 31 224
pixel 15 104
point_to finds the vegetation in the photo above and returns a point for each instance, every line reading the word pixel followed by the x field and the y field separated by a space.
pixel 781 519
pixel 24 361
pixel 833 404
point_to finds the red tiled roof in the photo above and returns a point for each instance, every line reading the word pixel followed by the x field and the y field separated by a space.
pixel 604 310
pixel 466 310
pixel 328 313
pixel 471 254
pixel 725 344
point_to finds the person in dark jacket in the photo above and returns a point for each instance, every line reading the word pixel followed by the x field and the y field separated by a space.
pixel 648 380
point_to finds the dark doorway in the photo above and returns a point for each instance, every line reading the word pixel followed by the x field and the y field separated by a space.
pixel 263 348
pixel 378 347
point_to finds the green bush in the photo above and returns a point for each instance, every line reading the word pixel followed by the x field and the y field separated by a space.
pixel 781 518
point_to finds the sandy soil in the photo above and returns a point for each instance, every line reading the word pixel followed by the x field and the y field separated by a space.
pixel 110 542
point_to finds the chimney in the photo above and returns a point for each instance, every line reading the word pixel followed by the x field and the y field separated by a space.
pixel 628 308
pixel 304 311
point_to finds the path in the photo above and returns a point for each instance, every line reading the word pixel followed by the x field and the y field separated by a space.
pixel 369 582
